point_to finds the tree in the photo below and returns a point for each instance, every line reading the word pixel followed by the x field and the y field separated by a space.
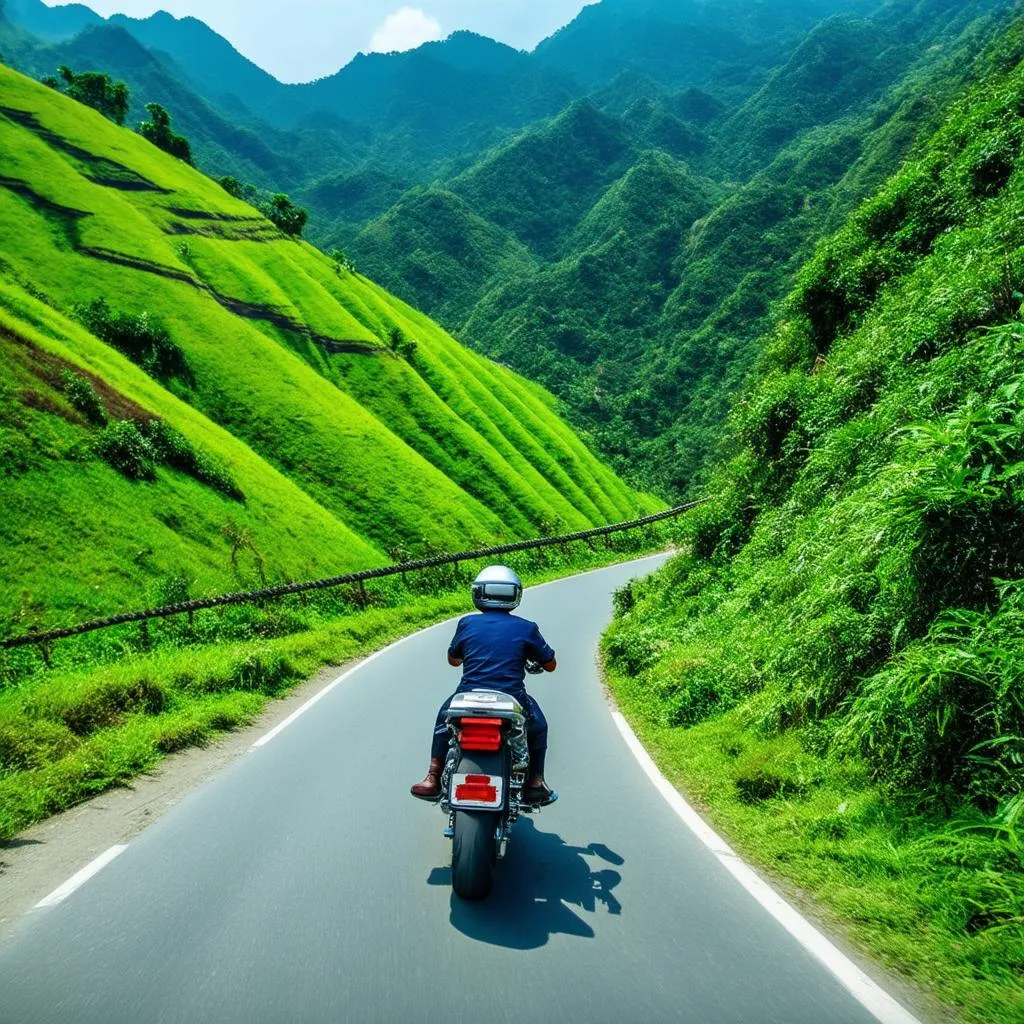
pixel 95 90
pixel 232 186
pixel 289 218
pixel 342 261
pixel 158 131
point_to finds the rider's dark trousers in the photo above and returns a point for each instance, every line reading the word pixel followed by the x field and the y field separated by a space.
pixel 536 732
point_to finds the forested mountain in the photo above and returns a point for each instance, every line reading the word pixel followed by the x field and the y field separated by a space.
pixel 487 186
pixel 645 330
pixel 835 664
pixel 51 23
pixel 182 380
pixel 685 42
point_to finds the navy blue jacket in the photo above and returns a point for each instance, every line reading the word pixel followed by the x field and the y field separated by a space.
pixel 494 647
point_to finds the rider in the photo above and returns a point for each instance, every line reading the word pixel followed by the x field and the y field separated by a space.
pixel 493 649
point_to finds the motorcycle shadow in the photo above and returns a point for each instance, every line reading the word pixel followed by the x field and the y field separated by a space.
pixel 538 890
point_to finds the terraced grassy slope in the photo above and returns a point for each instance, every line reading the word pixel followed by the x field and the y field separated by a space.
pixel 329 448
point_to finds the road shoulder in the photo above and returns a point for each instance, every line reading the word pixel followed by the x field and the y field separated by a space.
pixel 43 857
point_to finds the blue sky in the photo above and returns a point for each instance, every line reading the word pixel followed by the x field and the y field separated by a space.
pixel 304 39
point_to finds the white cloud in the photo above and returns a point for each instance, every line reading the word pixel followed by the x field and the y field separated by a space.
pixel 405 30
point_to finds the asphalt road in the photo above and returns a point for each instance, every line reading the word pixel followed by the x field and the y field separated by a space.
pixel 304 884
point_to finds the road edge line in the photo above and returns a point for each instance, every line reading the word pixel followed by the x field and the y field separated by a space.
pixel 79 879
pixel 882 1006
pixel 320 694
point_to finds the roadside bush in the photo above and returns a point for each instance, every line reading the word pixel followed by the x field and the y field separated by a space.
pixel 27 745
pixel 949 710
pixel 106 702
pixel 775 768
pixel 121 445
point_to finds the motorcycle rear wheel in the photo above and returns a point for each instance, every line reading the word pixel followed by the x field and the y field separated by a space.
pixel 473 853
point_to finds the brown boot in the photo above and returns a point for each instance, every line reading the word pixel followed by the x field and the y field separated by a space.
pixel 430 787
pixel 537 793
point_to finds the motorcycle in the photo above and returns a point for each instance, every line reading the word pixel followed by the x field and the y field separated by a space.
pixel 482 783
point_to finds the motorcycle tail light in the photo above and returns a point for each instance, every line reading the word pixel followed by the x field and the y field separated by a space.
pixel 477 789
pixel 480 734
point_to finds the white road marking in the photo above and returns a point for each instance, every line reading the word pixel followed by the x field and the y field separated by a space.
pixel 870 995
pixel 280 727
pixel 83 876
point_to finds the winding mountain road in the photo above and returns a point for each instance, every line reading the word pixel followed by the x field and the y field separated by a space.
pixel 303 884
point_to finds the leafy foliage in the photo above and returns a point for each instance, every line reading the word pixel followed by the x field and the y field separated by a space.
pixel 627 253
pixel 853 589
pixel 158 130
pixel 123 445
pixel 289 218
pixel 94 89
pixel 82 395
pixel 171 447
pixel 138 336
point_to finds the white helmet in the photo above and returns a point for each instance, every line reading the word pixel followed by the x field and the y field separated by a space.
pixel 497 588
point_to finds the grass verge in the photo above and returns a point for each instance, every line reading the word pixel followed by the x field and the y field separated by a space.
pixel 931 896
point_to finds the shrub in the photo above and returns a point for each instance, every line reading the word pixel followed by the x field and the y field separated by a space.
pixel 106 704
pixel 342 261
pixel 173 448
pixel 948 710
pixel 83 397
pixel 400 344
pixel 172 589
pixel 95 90
pixel 774 768
pixel 285 215
pixel 139 337
pixel 122 446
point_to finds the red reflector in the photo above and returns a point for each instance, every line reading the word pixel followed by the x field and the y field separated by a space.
pixel 480 734
pixel 477 789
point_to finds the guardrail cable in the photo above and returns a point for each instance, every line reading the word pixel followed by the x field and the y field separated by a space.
pixel 286 589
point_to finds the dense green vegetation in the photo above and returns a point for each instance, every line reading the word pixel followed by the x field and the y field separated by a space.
pixel 663 223
pixel 496 223
pixel 669 210
pixel 835 662
pixel 112 704
pixel 94 89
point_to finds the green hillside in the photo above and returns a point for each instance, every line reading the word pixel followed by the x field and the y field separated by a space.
pixel 400 249
pixel 290 436
pixel 835 664
pixel 539 185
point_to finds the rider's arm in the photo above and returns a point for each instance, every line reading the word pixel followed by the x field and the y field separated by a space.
pixel 455 652
pixel 541 651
